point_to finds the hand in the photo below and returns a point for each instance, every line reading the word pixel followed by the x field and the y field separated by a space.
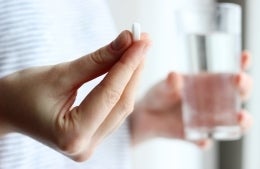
pixel 159 113
pixel 38 101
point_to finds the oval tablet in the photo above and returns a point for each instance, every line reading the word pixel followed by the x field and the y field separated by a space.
pixel 136 31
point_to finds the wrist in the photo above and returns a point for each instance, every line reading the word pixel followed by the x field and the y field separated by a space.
pixel 4 129
pixel 141 129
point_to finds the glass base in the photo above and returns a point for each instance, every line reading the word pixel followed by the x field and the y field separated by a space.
pixel 217 133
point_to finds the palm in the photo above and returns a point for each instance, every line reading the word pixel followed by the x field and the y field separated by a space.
pixel 164 110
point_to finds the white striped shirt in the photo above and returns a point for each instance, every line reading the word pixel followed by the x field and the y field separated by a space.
pixel 41 32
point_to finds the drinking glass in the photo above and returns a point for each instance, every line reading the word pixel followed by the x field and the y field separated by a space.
pixel 212 38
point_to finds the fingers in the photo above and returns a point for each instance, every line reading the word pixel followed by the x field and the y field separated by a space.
pixel 85 119
pixel 245 120
pixel 244 84
pixel 204 144
pixel 98 62
pixel 106 95
pixel 122 109
pixel 174 80
pixel 174 84
pixel 245 60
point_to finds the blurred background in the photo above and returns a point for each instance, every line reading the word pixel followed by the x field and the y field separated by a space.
pixel 158 18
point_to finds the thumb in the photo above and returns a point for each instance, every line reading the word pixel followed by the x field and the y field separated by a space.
pixel 99 62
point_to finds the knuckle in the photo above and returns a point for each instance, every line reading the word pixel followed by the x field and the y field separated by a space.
pixel 84 156
pixel 112 96
pixel 127 107
pixel 72 144
pixel 56 74
pixel 131 67
pixel 75 144
pixel 98 57
pixel 128 65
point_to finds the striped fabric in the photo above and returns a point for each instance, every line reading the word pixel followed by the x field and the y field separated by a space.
pixel 41 32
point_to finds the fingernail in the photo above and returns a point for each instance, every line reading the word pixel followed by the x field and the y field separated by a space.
pixel 206 144
pixel 238 80
pixel 240 118
pixel 123 40
pixel 243 81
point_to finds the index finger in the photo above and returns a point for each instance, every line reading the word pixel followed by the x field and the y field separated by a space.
pixel 97 105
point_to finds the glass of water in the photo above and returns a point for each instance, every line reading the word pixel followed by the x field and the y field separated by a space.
pixel 212 39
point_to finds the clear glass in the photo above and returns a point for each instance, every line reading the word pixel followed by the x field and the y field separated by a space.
pixel 212 39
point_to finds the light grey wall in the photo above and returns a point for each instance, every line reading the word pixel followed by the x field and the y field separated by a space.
pixel 230 152
pixel 251 155
pixel 124 12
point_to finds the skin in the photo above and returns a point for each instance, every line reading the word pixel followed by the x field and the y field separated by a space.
pixel 39 101
pixel 161 108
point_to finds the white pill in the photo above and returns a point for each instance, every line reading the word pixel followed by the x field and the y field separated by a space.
pixel 136 31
